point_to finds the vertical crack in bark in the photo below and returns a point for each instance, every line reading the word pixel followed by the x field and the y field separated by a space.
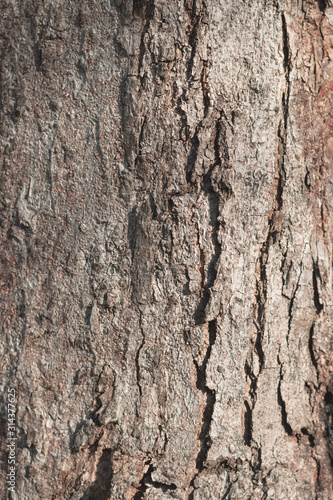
pixel 214 193
pixel 322 4
pixel 147 480
pixel 247 436
pixel 318 468
pixel 274 223
pixel 38 42
pixel 23 315
pixel 142 485
pixel 210 189
pixel 291 303
pixel 286 93
pixel 204 87
pixel 316 278
pixel 137 356
pixel 80 63
pixel 49 170
pixel 328 419
pixel 98 142
pixel 101 487
pixel 197 18
pixel 282 405
pixel 311 349
pixel 2 58
pixel 97 402
pixel 204 436
pixel 201 260
pixel 259 322
pixel 147 11
pixel 226 494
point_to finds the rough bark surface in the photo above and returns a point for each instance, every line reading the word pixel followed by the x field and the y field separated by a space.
pixel 166 259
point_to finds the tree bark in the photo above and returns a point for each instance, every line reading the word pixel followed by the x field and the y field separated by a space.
pixel 166 259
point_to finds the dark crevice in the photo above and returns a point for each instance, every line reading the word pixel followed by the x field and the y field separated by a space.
pixel 273 231
pixel 147 8
pixel 204 87
pixel 23 315
pixel 184 128
pixel 101 487
pixel 261 299
pixel 141 137
pixel 88 315
pixel 322 5
pixel 38 44
pixel 315 279
pixel 283 126
pixel 97 404
pixel 328 416
pixel 49 170
pixel 318 476
pixel 213 199
pixel 192 157
pixel 311 349
pixel 80 64
pixel 196 20
pixel 226 494
pixel 94 417
pixel 153 207
pixel 131 231
pixel 163 486
pixel 139 8
pixel 204 436
pixel 291 303
pixel 247 424
pixel 98 142
pixel 137 358
pixel 49 177
pixel 2 58
pixel 287 70
pixel 310 436
pixel 221 152
pixel 148 481
pixel 142 485
pixel 285 270
pixel 215 193
pixel 201 260
pixel 282 405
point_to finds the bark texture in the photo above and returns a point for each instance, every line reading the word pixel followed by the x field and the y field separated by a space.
pixel 166 259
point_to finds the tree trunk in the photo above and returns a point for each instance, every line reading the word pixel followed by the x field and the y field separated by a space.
pixel 166 181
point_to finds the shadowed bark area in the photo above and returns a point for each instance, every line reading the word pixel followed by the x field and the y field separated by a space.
pixel 166 248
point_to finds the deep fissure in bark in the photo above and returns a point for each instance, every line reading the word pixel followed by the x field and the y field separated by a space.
pixel 272 235
pixel 328 417
pixel 147 11
pixel 148 481
pixel 137 356
pixel 204 436
pixel 204 87
pixel 291 303
pixel 197 17
pixel 101 487
pixel 282 405
pixel 38 54
pixel 322 5
pixel 214 194
pixel 315 279
pixel 247 424
pixel 311 348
